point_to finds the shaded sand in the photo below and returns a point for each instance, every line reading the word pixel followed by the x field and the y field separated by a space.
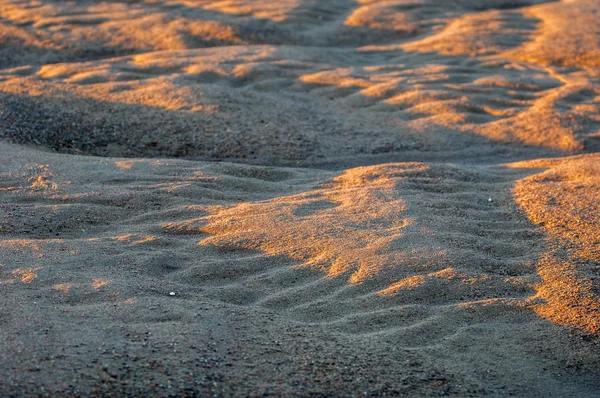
pixel 299 198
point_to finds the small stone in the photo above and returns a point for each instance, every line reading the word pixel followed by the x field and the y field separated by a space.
pixel 172 294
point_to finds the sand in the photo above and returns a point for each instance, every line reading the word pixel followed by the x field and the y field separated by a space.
pixel 299 198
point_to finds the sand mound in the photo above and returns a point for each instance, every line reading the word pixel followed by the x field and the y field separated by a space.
pixel 563 201
pixel 483 33
pixel 395 261
pixel 559 41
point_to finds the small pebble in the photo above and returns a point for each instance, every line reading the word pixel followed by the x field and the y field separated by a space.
pixel 172 294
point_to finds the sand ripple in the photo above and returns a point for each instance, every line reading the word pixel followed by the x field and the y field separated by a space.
pixel 380 197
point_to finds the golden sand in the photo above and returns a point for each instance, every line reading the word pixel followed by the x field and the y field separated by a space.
pixel 299 198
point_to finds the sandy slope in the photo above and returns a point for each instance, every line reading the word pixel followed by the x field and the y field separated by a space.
pixel 385 241
pixel 405 262
pixel 563 201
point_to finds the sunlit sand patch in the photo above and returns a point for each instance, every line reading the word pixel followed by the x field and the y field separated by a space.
pixel 453 21
pixel 37 178
pixel 414 282
pixel 55 32
pixel 156 84
pixel 277 11
pixel 353 233
pixel 415 253
pixel 41 178
pixel 21 244
pixel 96 284
pixel 132 238
pixel 63 287
pixel 127 164
pixel 483 33
pixel 509 102
pixel 135 238
pixel 29 251
pixel 563 201
pixel 560 41
pixel 23 275
pixel 361 226
pixel 388 15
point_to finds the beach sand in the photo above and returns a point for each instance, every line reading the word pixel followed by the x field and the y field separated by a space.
pixel 299 198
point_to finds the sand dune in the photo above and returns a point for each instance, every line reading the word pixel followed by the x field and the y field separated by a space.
pixel 299 198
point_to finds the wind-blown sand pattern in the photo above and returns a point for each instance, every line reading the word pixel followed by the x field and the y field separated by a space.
pixel 299 198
